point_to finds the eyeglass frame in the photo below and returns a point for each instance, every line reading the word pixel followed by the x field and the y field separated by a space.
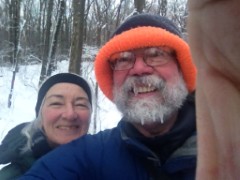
pixel 169 53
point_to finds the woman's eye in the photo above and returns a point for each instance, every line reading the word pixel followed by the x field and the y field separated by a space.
pixel 82 105
pixel 55 104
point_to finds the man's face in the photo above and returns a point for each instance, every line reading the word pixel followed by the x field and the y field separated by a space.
pixel 148 92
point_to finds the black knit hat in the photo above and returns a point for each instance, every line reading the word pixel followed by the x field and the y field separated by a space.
pixel 61 78
pixel 139 20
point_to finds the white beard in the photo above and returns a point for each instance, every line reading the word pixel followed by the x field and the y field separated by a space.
pixel 154 108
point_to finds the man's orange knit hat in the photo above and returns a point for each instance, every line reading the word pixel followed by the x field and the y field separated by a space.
pixel 140 31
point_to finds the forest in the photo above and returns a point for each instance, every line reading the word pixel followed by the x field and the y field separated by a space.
pixel 46 31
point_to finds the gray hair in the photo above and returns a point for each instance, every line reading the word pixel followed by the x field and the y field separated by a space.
pixel 30 129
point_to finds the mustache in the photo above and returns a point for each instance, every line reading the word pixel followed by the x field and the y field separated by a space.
pixel 147 80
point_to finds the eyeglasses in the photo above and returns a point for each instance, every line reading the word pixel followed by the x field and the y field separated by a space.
pixel 153 56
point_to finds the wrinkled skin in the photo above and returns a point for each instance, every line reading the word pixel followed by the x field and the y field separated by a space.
pixel 214 37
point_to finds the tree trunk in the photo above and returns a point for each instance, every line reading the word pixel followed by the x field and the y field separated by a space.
pixel 162 4
pixel 77 36
pixel 139 5
pixel 46 41
pixel 95 117
pixel 11 30
pixel 40 29
pixel 51 61
pixel 15 7
pixel 118 14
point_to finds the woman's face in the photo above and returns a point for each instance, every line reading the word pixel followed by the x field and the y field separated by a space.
pixel 66 113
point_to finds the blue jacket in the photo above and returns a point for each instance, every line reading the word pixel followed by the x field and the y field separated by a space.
pixel 114 154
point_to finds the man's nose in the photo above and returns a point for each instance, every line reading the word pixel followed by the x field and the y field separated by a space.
pixel 140 67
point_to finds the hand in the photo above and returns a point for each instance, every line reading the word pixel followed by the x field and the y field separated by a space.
pixel 214 37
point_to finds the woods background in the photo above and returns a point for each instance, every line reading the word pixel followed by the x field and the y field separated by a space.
pixel 47 31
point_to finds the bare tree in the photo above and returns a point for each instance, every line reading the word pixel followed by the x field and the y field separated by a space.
pixel 177 13
pixel 88 6
pixel 46 41
pixel 99 22
pixel 14 19
pixel 53 47
pixel 40 27
pixel 139 5
pixel 14 15
pixel 95 114
pixel 162 7
pixel 66 29
pixel 101 19
pixel 77 36
pixel 4 19
pixel 118 13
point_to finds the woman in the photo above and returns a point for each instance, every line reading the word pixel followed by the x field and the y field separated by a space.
pixel 63 113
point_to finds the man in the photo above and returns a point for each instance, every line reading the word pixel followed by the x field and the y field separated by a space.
pixel 214 29
pixel 147 71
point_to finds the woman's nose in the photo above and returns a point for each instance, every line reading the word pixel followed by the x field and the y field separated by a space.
pixel 69 112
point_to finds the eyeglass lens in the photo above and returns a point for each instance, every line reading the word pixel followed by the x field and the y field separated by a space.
pixel 154 56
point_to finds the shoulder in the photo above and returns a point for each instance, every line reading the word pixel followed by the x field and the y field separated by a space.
pixel 10 171
pixel 89 157
pixel 90 142
pixel 189 147
pixel 12 144
pixel 79 158
pixel 88 147
pixel 18 167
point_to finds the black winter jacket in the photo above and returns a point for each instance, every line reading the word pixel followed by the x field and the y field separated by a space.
pixel 11 152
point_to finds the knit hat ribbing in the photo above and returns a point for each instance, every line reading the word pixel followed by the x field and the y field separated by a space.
pixel 141 31
pixel 61 78
pixel 140 20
